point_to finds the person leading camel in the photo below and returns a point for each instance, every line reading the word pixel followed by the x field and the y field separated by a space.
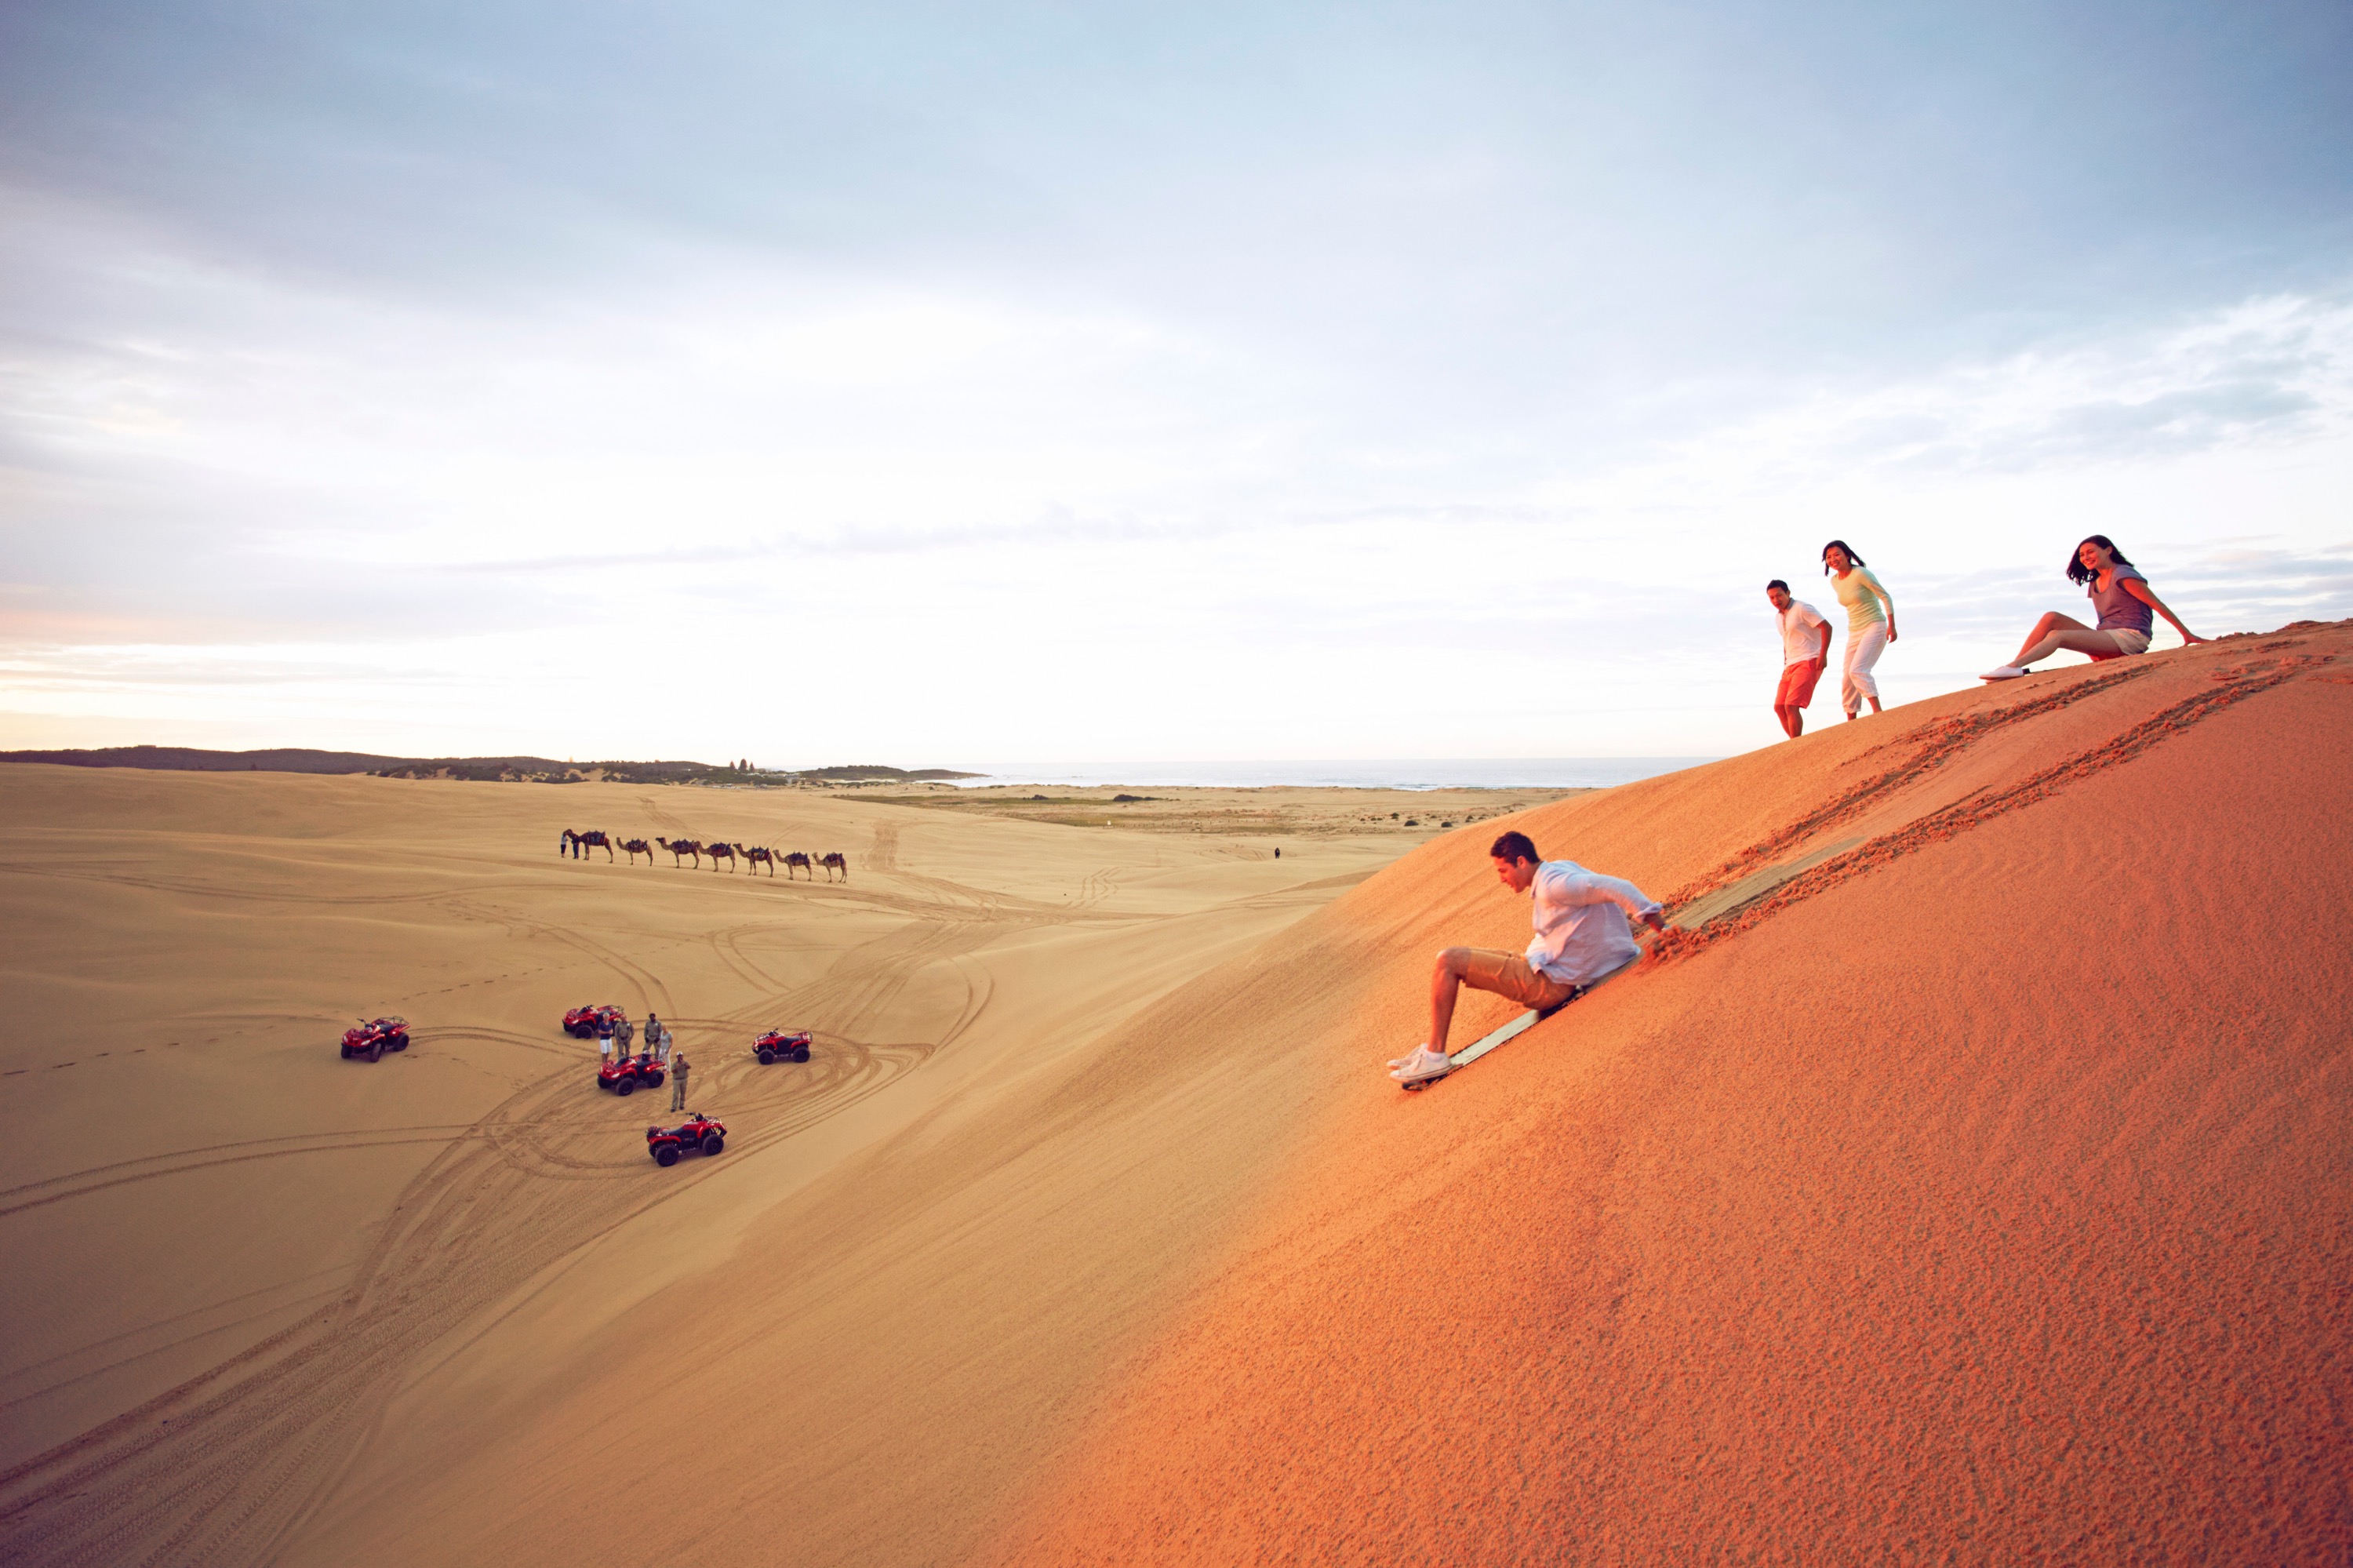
pixel 1583 936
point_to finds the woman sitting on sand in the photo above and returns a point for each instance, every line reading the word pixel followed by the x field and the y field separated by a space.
pixel 2123 599
pixel 1868 633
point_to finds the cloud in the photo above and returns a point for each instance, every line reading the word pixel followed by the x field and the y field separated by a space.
pixel 1202 359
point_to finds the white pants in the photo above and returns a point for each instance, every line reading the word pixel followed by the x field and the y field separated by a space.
pixel 1863 651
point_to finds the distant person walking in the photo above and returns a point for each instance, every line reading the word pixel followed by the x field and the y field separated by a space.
pixel 678 1082
pixel 1582 937
pixel 1805 654
pixel 2121 595
pixel 1868 630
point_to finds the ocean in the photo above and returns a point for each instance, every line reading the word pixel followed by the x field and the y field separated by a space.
pixel 1480 773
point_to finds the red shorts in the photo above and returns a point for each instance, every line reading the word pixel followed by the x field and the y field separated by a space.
pixel 1798 684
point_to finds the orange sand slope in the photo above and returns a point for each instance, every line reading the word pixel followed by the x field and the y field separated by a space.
pixel 1973 1185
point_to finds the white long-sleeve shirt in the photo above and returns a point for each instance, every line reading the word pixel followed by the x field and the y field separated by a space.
pixel 1581 919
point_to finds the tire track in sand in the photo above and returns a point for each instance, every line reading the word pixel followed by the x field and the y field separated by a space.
pixel 1810 875
pixel 224 1467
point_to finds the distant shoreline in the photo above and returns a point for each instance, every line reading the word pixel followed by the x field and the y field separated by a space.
pixel 503 769
pixel 1387 774
pixel 1409 773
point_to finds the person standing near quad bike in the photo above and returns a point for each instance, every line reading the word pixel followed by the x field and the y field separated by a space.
pixel 678 1082
pixel 656 1041
pixel 605 1035
pixel 625 1035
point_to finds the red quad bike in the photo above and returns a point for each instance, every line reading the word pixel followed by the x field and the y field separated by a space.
pixel 627 1074
pixel 780 1046
pixel 370 1040
pixel 581 1022
pixel 697 1131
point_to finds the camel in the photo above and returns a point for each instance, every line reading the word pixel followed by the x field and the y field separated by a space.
pixel 633 848
pixel 719 852
pixel 834 861
pixel 757 855
pixel 794 860
pixel 581 843
pixel 678 847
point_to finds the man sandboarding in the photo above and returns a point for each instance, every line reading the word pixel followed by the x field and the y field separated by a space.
pixel 1583 936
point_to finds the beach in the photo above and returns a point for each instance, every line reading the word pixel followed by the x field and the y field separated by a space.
pixel 1964 1175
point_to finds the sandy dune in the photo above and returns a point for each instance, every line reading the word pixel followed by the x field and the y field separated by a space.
pixel 228 1247
pixel 1967 1178
pixel 1973 1186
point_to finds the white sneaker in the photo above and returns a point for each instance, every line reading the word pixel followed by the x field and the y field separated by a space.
pixel 1423 1066
pixel 2007 672
pixel 1408 1058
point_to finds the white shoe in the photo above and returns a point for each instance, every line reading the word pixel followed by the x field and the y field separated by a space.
pixel 2007 672
pixel 1423 1066
pixel 1408 1058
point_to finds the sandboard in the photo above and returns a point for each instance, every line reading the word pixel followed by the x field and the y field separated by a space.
pixel 1458 1060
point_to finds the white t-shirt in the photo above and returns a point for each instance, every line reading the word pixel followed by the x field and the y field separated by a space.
pixel 1798 639
pixel 1580 918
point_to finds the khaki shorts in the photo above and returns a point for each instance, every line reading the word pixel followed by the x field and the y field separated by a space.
pixel 1508 974
pixel 2128 642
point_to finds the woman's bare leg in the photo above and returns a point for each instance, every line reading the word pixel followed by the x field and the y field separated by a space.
pixel 2054 621
pixel 2079 641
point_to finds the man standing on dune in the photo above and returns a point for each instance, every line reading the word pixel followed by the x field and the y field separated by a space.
pixel 678 1082
pixel 1803 657
pixel 1583 936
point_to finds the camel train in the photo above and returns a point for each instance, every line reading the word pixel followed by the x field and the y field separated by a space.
pixel 576 843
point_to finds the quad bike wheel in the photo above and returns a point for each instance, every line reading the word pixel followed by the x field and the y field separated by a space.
pixel 347 1050
pixel 766 1055
pixel 801 1054
pixel 400 1042
pixel 626 1086
pixel 712 1143
pixel 375 1052
pixel 667 1155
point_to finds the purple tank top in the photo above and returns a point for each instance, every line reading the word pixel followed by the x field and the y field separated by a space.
pixel 2120 612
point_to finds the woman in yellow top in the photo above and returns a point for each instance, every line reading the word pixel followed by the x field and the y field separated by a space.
pixel 1868 631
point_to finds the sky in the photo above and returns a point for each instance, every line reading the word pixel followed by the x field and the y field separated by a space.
pixel 935 384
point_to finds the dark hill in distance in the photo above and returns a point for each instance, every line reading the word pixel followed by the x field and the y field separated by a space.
pixel 528 769
pixel 869 772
